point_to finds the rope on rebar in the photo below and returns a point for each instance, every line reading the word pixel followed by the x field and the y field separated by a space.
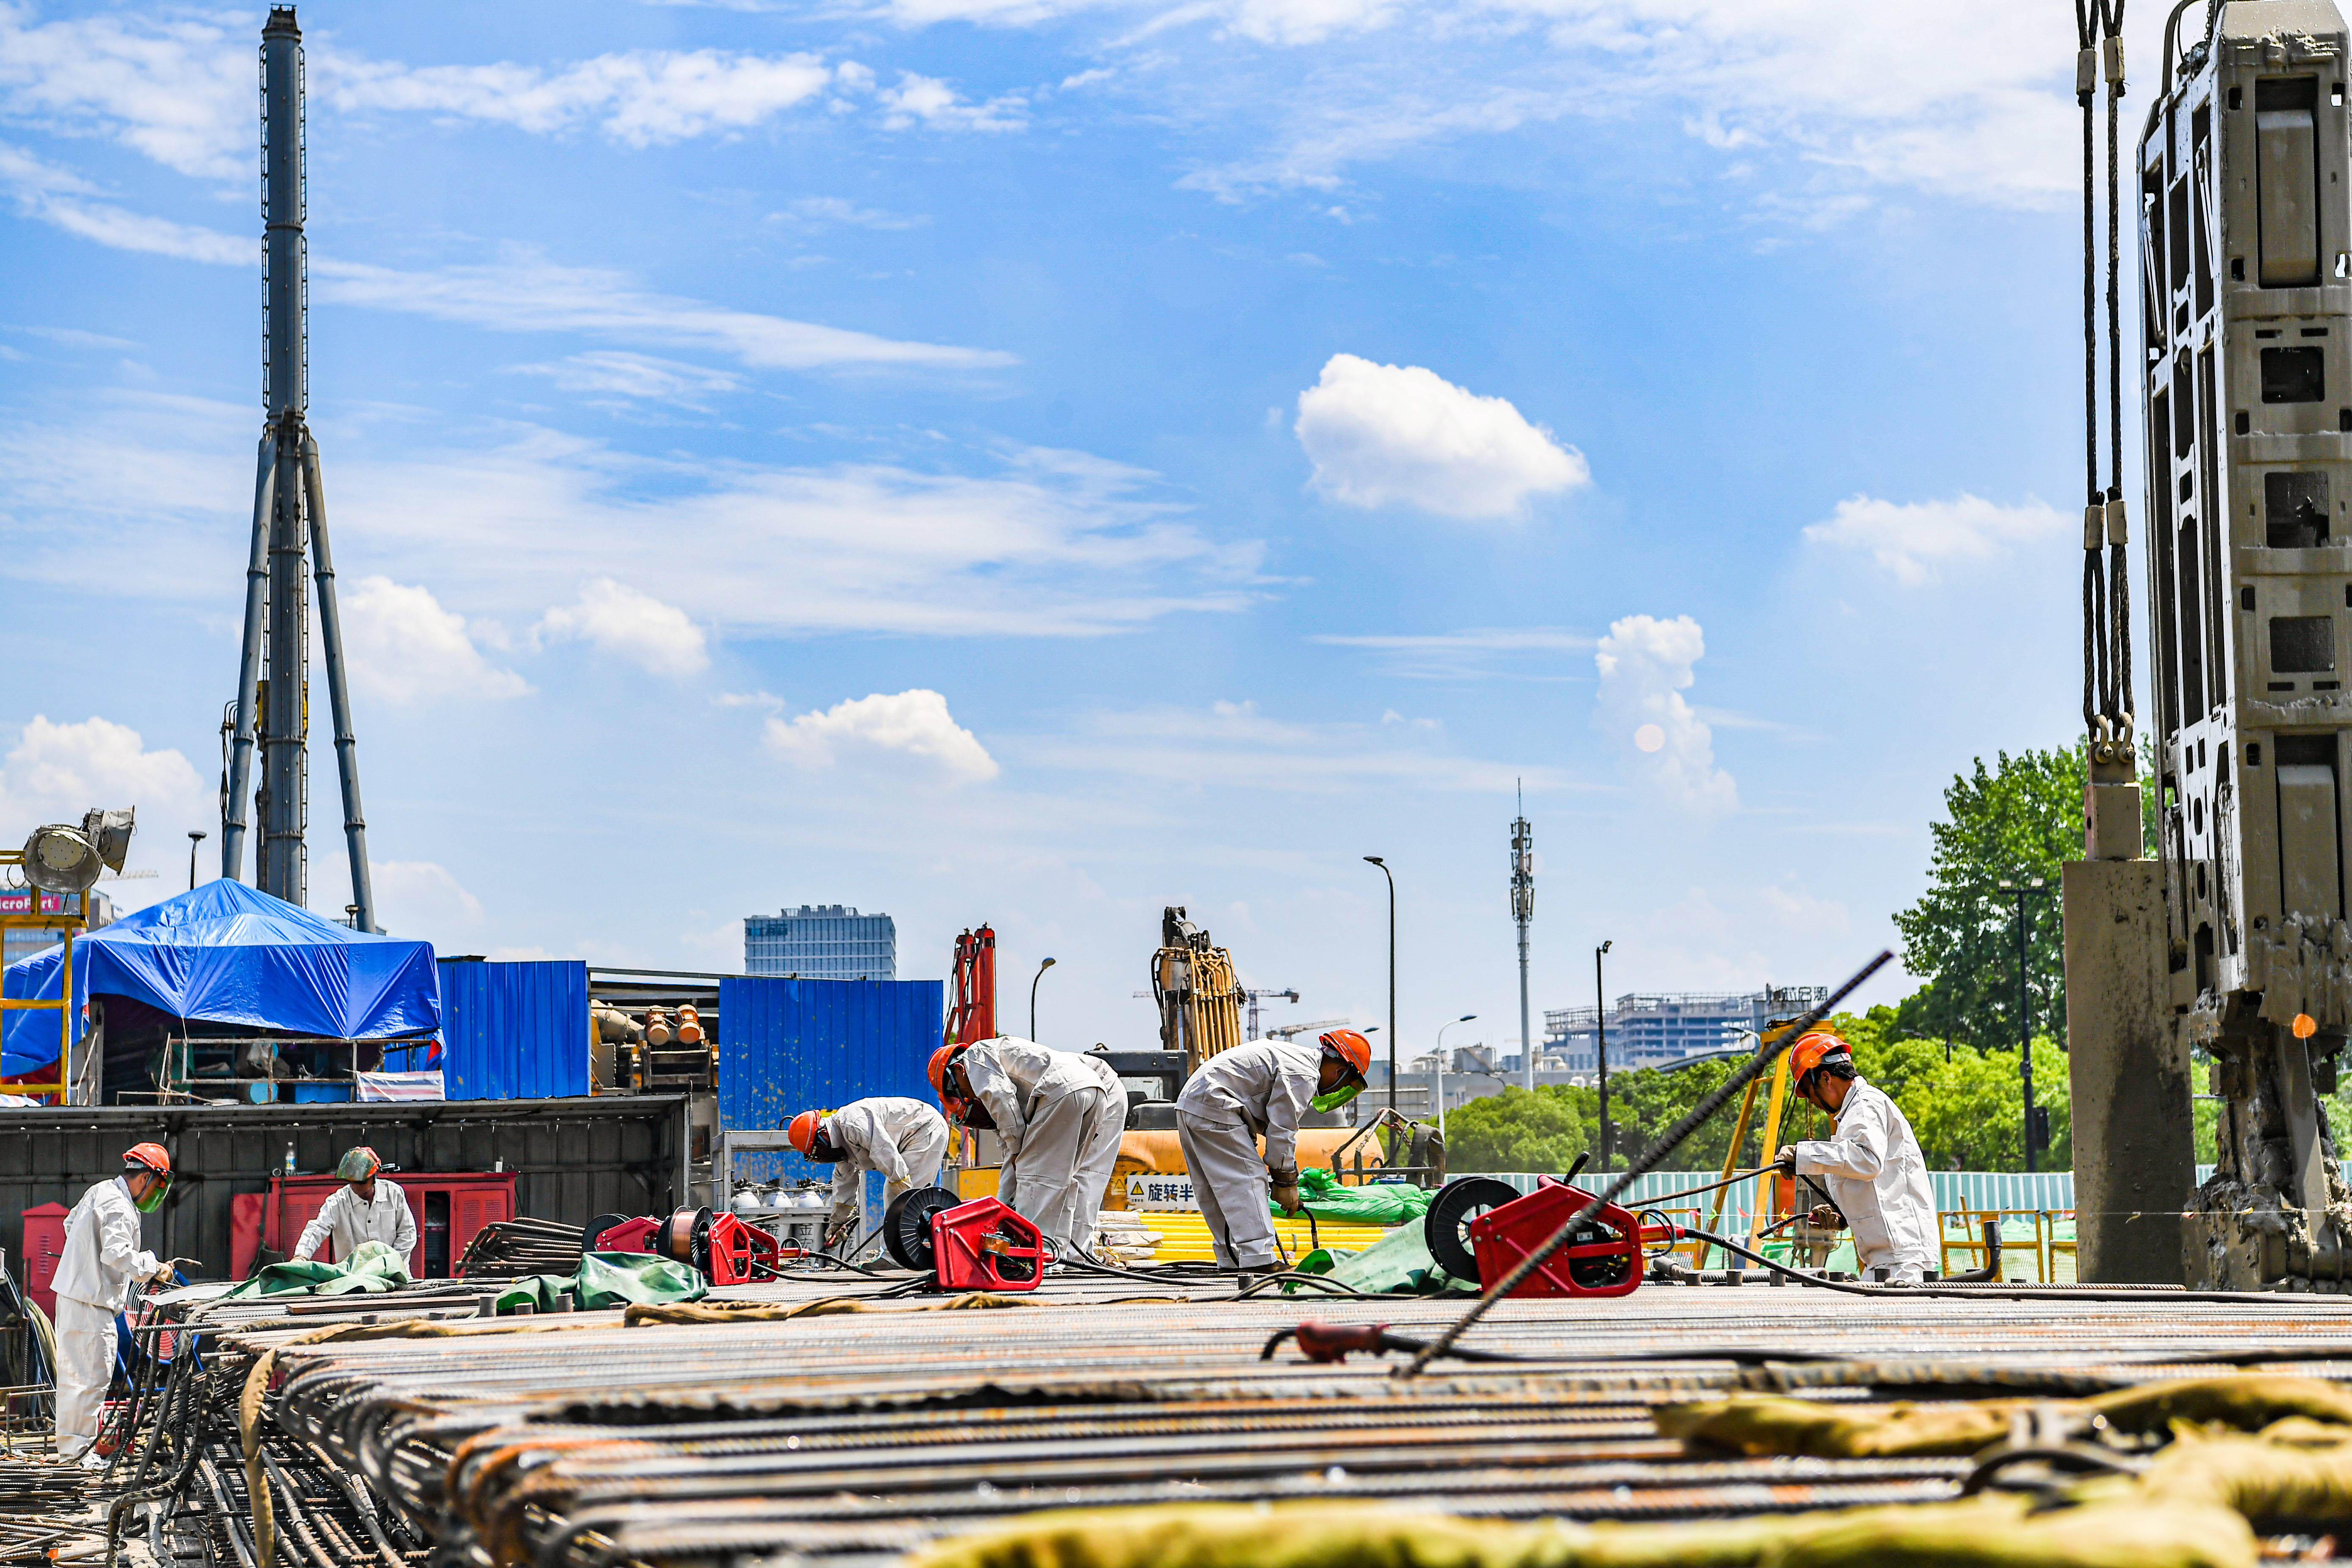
pixel 1767 1055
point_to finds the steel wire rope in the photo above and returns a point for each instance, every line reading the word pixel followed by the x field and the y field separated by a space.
pixel 1767 1053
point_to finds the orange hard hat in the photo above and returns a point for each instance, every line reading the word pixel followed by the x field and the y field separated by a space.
pixel 801 1133
pixel 1350 1047
pixel 154 1156
pixel 1812 1049
pixel 939 1068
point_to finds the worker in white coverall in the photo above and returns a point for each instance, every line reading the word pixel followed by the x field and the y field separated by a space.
pixel 905 1140
pixel 1262 1088
pixel 1876 1174
pixel 364 1208
pixel 102 1264
pixel 1058 1115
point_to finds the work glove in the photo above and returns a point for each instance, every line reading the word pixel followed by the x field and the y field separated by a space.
pixel 835 1234
pixel 1825 1216
pixel 1785 1161
pixel 1285 1190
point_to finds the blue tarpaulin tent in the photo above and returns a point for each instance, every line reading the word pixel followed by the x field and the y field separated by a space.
pixel 229 954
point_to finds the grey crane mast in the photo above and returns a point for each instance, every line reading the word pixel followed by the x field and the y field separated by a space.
pixel 289 523
pixel 1523 910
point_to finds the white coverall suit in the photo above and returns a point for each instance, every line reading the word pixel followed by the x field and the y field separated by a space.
pixel 905 1140
pixel 1059 1115
pixel 102 1264
pixel 349 1220
pixel 1878 1178
pixel 1261 1088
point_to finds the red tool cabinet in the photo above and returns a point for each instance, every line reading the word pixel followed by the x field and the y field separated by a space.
pixel 449 1206
pixel 45 1243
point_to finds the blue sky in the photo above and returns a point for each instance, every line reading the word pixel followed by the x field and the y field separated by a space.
pixel 1034 461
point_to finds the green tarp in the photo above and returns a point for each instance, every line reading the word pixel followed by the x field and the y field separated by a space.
pixel 372 1268
pixel 1377 1202
pixel 607 1279
pixel 1397 1265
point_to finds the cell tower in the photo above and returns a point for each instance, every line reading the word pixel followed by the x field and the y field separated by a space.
pixel 1523 910
pixel 287 498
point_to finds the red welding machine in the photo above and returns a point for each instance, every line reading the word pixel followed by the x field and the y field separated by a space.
pixel 727 1250
pixel 1603 1258
pixel 985 1245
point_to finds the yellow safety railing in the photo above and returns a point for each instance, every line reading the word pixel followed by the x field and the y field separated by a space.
pixel 1962 1232
pixel 33 919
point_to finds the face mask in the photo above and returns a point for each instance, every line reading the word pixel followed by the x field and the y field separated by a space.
pixel 155 1195
pixel 1337 1098
pixel 823 1148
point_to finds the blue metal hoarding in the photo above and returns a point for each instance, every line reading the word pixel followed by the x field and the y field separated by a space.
pixel 790 1046
pixel 513 1031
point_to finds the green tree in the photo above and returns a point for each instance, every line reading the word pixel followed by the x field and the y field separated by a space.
pixel 2016 820
pixel 1969 1112
pixel 1517 1130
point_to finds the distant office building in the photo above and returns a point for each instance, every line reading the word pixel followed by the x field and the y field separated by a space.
pixel 821 942
pixel 1649 1030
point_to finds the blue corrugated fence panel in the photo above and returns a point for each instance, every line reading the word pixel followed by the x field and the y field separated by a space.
pixel 514 1031
pixel 790 1046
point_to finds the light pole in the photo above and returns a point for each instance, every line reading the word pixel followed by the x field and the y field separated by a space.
pixel 1033 995
pixel 195 836
pixel 2032 887
pixel 1440 1071
pixel 1383 865
pixel 1601 1043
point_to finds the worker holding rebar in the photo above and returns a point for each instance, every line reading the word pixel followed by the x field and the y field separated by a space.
pixel 905 1140
pixel 102 1264
pixel 1058 1115
pixel 1876 1173
pixel 365 1208
pixel 1262 1088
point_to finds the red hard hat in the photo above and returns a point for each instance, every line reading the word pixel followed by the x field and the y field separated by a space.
pixel 1810 1050
pixel 1350 1047
pixel 152 1156
pixel 801 1133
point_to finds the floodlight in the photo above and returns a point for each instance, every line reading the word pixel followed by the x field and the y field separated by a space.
pixel 59 859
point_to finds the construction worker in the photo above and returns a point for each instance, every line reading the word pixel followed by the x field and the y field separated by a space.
pixel 101 1265
pixel 1877 1176
pixel 1261 1088
pixel 364 1209
pixel 1058 1115
pixel 905 1140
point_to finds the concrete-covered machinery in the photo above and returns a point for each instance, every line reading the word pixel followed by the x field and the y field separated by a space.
pixel 2233 939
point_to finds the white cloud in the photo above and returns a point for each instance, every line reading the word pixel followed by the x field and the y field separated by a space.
pixel 402 646
pixel 639 96
pixel 927 100
pixel 620 373
pixel 1912 539
pixel 1031 542
pixel 1380 435
pixel 1305 21
pixel 1493 639
pixel 1645 665
pixel 523 294
pixel 55 771
pixel 884 729
pixel 823 211
pixel 637 627
pixel 418 894
pixel 177 90
pixel 63 198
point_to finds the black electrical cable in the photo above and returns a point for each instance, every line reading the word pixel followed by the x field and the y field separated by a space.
pixel 1767 1055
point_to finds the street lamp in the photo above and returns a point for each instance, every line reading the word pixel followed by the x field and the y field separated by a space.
pixel 195 836
pixel 1033 995
pixel 1601 1044
pixel 2032 887
pixel 1383 865
pixel 1440 1071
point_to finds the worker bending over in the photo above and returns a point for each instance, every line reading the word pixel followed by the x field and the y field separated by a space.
pixel 364 1209
pixel 101 1265
pixel 1876 1174
pixel 1058 1115
pixel 905 1140
pixel 1262 1088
